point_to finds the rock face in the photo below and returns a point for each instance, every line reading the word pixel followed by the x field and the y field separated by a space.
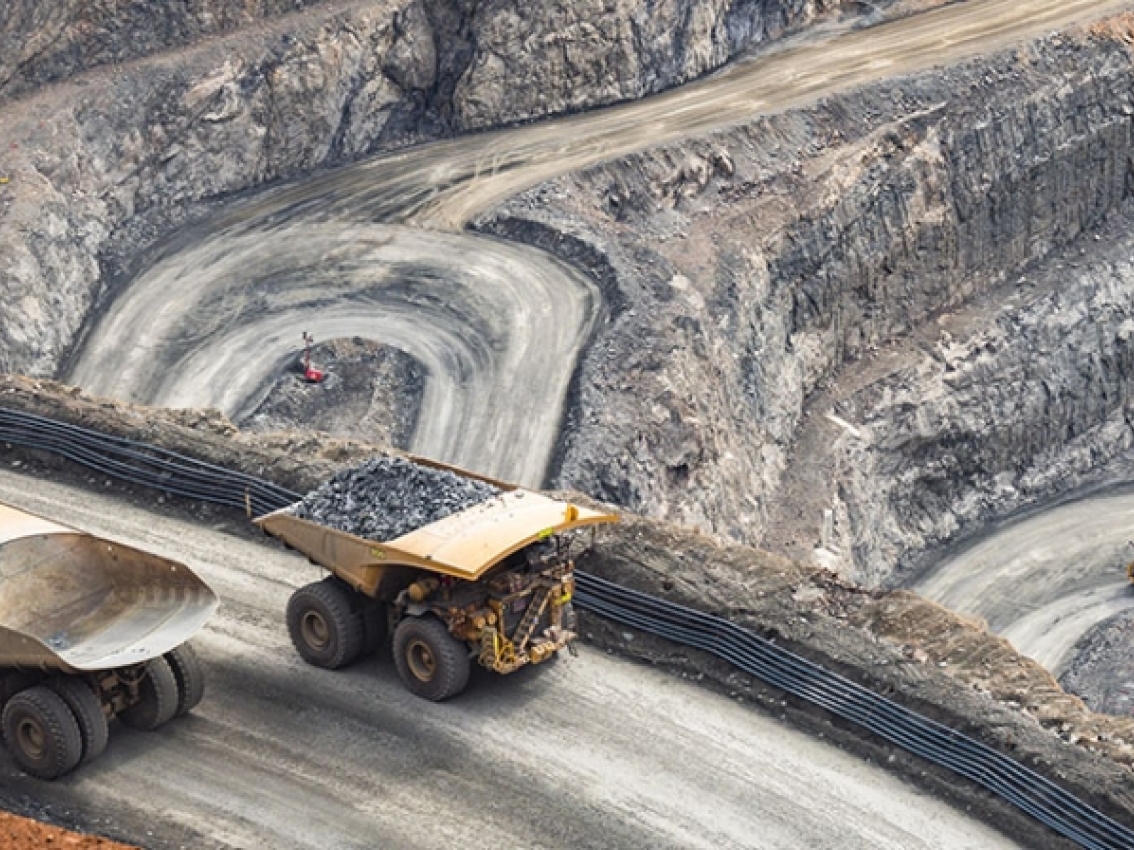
pixel 1104 673
pixel 1009 404
pixel 588 52
pixel 48 40
pixel 755 267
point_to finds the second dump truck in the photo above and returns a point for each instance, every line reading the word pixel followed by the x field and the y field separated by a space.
pixel 490 584
pixel 90 630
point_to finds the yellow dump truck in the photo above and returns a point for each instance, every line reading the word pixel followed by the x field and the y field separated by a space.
pixel 90 630
pixel 492 582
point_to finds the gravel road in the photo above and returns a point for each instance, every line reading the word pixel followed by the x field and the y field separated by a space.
pixel 1043 582
pixel 498 327
pixel 589 752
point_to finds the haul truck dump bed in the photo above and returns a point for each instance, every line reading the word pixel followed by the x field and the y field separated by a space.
pixel 90 629
pixel 491 581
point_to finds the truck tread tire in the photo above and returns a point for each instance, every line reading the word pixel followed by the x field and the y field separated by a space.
pixel 157 698
pixel 432 663
pixel 87 708
pixel 324 625
pixel 190 676
pixel 42 733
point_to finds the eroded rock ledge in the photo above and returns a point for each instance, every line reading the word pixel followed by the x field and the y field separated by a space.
pixel 761 268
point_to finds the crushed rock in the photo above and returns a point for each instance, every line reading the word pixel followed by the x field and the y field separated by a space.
pixel 387 497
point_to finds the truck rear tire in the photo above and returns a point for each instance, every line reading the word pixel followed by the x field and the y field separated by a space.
pixel 324 625
pixel 157 698
pixel 190 676
pixel 432 663
pixel 42 733
pixel 87 708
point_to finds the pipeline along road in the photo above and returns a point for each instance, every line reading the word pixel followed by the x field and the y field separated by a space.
pixel 589 752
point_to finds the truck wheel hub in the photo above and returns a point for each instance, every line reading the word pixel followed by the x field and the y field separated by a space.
pixel 31 738
pixel 421 661
pixel 315 630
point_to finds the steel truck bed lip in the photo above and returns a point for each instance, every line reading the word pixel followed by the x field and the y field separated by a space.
pixel 463 545
pixel 72 601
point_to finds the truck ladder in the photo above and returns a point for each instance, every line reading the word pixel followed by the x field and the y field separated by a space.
pixel 528 622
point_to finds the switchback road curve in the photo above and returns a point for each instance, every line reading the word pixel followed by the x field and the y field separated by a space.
pixel 194 300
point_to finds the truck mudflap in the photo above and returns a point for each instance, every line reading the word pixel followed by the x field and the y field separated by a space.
pixel 73 602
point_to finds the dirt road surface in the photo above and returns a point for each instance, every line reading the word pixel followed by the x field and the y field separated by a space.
pixel 1043 582
pixel 497 328
pixel 416 293
pixel 587 752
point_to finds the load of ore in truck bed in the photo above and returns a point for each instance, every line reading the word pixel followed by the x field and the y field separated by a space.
pixel 387 497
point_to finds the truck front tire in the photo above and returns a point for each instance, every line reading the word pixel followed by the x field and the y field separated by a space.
pixel 324 626
pixel 87 708
pixel 42 733
pixel 432 663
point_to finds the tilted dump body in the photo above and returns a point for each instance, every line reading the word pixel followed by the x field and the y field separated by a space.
pixel 73 602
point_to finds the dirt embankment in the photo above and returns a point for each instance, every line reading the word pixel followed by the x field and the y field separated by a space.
pixel 18 833
pixel 894 642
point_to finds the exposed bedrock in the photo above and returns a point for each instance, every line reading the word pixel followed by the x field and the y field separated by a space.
pixel 103 165
pixel 759 266
pixel 1007 403
pixel 46 40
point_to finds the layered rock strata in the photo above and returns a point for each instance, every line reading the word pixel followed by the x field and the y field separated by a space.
pixel 99 168
pixel 757 265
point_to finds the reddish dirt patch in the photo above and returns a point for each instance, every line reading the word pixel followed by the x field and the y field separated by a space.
pixel 18 833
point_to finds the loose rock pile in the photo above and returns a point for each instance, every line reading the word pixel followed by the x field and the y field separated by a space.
pixel 387 497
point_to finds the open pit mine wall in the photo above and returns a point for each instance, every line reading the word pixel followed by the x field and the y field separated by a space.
pixel 103 166
pixel 49 40
pixel 752 265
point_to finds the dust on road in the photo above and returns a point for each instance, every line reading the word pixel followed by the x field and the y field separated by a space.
pixel 587 752
pixel 1046 580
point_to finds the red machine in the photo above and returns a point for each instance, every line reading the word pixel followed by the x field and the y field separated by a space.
pixel 310 373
